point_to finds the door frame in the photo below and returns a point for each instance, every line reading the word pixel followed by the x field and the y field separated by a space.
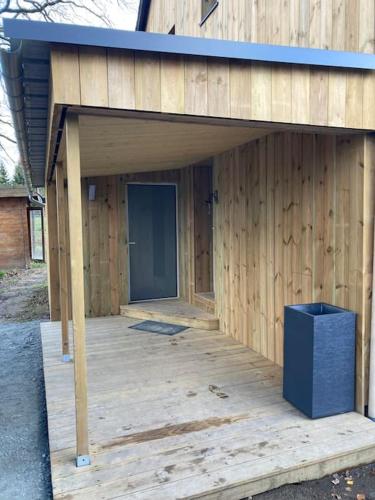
pixel 175 184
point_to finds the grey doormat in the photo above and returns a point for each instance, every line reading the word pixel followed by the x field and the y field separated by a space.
pixel 158 327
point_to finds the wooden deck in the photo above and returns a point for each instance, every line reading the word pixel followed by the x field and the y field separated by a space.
pixel 174 311
pixel 196 415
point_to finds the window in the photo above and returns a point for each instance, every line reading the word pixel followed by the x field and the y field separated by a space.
pixel 208 6
pixel 36 233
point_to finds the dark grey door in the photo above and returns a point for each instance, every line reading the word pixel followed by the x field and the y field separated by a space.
pixel 152 241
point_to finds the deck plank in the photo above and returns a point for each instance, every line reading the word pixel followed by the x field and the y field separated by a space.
pixel 196 415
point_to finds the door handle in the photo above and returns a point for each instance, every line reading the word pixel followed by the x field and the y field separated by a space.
pixel 131 243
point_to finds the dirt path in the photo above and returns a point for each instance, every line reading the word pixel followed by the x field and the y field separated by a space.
pixel 24 294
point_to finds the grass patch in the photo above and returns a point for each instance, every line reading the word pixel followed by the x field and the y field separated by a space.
pixel 2 274
pixel 37 265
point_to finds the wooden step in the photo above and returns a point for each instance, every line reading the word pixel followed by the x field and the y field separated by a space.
pixel 173 311
pixel 205 301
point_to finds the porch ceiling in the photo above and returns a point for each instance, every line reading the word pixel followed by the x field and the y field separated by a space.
pixel 112 145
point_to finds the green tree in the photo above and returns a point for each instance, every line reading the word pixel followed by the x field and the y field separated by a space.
pixel 4 178
pixel 18 177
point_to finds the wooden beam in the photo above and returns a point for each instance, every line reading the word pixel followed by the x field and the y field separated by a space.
pixel 63 261
pixel 52 253
pixel 77 283
pixel 113 234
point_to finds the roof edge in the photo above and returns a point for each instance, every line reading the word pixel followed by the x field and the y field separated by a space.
pixel 18 29
pixel 12 72
pixel 143 12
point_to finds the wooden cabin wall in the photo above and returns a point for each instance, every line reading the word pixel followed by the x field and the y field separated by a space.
pixel 336 24
pixel 289 228
pixel 105 238
pixel 197 86
pixel 15 233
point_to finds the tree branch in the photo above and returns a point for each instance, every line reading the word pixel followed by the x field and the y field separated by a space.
pixel 6 153
pixel 3 136
pixel 36 9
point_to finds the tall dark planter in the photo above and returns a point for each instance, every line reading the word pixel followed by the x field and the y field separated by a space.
pixel 319 359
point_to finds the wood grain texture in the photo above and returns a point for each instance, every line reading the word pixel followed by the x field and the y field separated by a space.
pixel 121 79
pixel 147 82
pixel 326 24
pixel 14 243
pixel 172 84
pixel 93 76
pixel 65 74
pixel 63 258
pixel 175 311
pixel 52 247
pixel 203 207
pixel 305 205
pixel 211 87
pixel 78 300
pixel 289 205
pixel 128 145
pixel 368 253
pixel 218 418
pixel 105 238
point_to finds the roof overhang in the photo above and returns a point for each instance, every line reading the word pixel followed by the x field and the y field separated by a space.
pixel 183 45
pixel 26 68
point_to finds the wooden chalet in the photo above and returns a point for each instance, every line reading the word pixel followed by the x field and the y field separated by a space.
pixel 206 170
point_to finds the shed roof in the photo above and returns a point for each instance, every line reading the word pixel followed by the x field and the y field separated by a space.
pixel 13 192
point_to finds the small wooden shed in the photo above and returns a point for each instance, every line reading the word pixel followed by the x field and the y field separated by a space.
pixel 21 228
pixel 206 175
pixel 14 228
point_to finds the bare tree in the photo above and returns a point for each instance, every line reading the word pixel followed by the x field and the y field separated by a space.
pixel 61 10
pixel 92 12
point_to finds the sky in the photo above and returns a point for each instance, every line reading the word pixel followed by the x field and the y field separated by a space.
pixel 120 16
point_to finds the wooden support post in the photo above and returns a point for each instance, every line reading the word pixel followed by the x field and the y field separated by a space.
pixel 52 253
pixel 77 284
pixel 63 261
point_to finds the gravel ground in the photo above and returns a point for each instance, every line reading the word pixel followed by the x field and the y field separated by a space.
pixel 24 453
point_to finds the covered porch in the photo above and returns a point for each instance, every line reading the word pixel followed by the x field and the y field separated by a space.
pixel 195 415
pixel 273 175
pixel 263 218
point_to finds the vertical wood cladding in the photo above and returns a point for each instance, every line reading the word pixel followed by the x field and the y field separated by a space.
pixel 334 24
pixel 105 238
pixel 289 228
pixel 293 224
pixel 14 239
pixel 280 93
pixel 203 206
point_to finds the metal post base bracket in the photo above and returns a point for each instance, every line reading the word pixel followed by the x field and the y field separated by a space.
pixel 67 358
pixel 83 460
